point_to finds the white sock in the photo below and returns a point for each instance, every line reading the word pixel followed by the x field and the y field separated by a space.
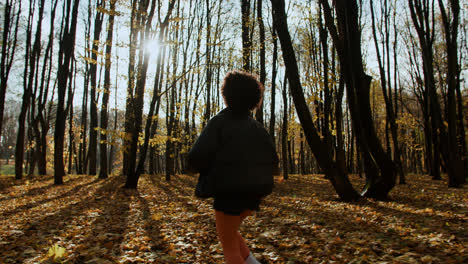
pixel 251 259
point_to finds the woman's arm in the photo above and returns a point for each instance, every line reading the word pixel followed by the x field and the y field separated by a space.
pixel 203 151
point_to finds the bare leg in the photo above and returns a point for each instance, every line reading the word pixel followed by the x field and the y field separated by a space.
pixel 244 249
pixel 226 227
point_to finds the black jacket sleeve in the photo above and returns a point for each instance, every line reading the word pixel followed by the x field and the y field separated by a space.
pixel 202 154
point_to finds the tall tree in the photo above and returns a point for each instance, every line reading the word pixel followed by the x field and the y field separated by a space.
pixel 261 27
pixel 11 15
pixel 273 83
pixel 33 57
pixel 134 169
pixel 103 171
pixel 41 121
pixel 385 80
pixel 246 40
pixel 284 131
pixel 65 54
pixel 335 173
pixel 93 126
pixel 454 162
pixel 380 169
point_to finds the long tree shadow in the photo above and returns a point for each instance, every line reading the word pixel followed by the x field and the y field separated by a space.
pixel 40 190
pixel 192 227
pixel 373 229
pixel 152 228
pixel 8 182
pixel 39 232
pixel 177 189
pixel 107 229
pixel 43 201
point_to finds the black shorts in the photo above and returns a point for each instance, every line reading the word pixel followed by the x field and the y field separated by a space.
pixel 235 206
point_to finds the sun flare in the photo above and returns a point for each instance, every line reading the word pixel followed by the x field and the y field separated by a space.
pixel 152 46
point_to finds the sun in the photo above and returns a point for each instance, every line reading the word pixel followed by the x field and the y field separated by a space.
pixel 152 46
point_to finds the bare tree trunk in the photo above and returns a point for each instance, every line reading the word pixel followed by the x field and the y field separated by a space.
pixel 335 173
pixel 156 99
pixel 246 40
pixel 387 92
pixel 273 84
pixel 93 126
pixel 284 132
pixel 259 112
pixel 454 162
pixel 9 40
pixel 33 57
pixel 380 170
pixel 67 47
pixel 103 172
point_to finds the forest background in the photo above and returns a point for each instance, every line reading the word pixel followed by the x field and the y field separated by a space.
pixel 126 86
pixel 362 99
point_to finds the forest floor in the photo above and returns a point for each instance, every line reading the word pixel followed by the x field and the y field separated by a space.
pixel 87 220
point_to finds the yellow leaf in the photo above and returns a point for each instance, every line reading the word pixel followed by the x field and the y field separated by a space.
pixel 56 252
pixel 157 217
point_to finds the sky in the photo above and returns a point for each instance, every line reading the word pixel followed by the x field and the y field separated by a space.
pixel 121 35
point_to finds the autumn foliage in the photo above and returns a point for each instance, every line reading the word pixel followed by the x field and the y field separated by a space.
pixel 87 220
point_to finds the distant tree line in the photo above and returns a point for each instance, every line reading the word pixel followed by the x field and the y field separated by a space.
pixel 125 86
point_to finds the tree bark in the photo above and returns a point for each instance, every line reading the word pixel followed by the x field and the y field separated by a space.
pixel 335 173
pixel 66 49
pixel 31 62
pixel 273 84
pixel 380 170
pixel 261 27
pixel 93 125
pixel 246 40
pixel 284 132
pixel 454 160
pixel 9 40
pixel 103 172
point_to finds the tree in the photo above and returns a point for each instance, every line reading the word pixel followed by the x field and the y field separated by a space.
pixel 379 168
pixel 105 96
pixel 261 27
pixel 273 84
pixel 246 40
pixel 386 86
pixel 93 126
pixel 136 104
pixel 41 120
pixel 284 132
pixel 335 172
pixel 65 54
pixel 32 58
pixel 9 40
pixel 455 151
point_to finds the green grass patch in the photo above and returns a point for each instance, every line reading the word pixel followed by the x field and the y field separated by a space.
pixel 7 169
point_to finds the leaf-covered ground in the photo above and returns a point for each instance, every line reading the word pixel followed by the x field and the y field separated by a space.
pixel 96 221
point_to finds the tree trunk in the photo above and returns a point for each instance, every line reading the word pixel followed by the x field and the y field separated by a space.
pixel 273 84
pixel 9 39
pixel 103 172
pixel 284 133
pixel 246 41
pixel 454 162
pixel 335 173
pixel 390 113
pixel 347 42
pixel 32 62
pixel 93 126
pixel 261 27
pixel 67 46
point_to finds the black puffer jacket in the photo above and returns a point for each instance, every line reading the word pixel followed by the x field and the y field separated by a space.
pixel 236 155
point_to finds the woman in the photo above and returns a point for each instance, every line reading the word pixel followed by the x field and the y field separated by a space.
pixel 236 159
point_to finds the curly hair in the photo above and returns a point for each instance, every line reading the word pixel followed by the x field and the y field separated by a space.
pixel 242 91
